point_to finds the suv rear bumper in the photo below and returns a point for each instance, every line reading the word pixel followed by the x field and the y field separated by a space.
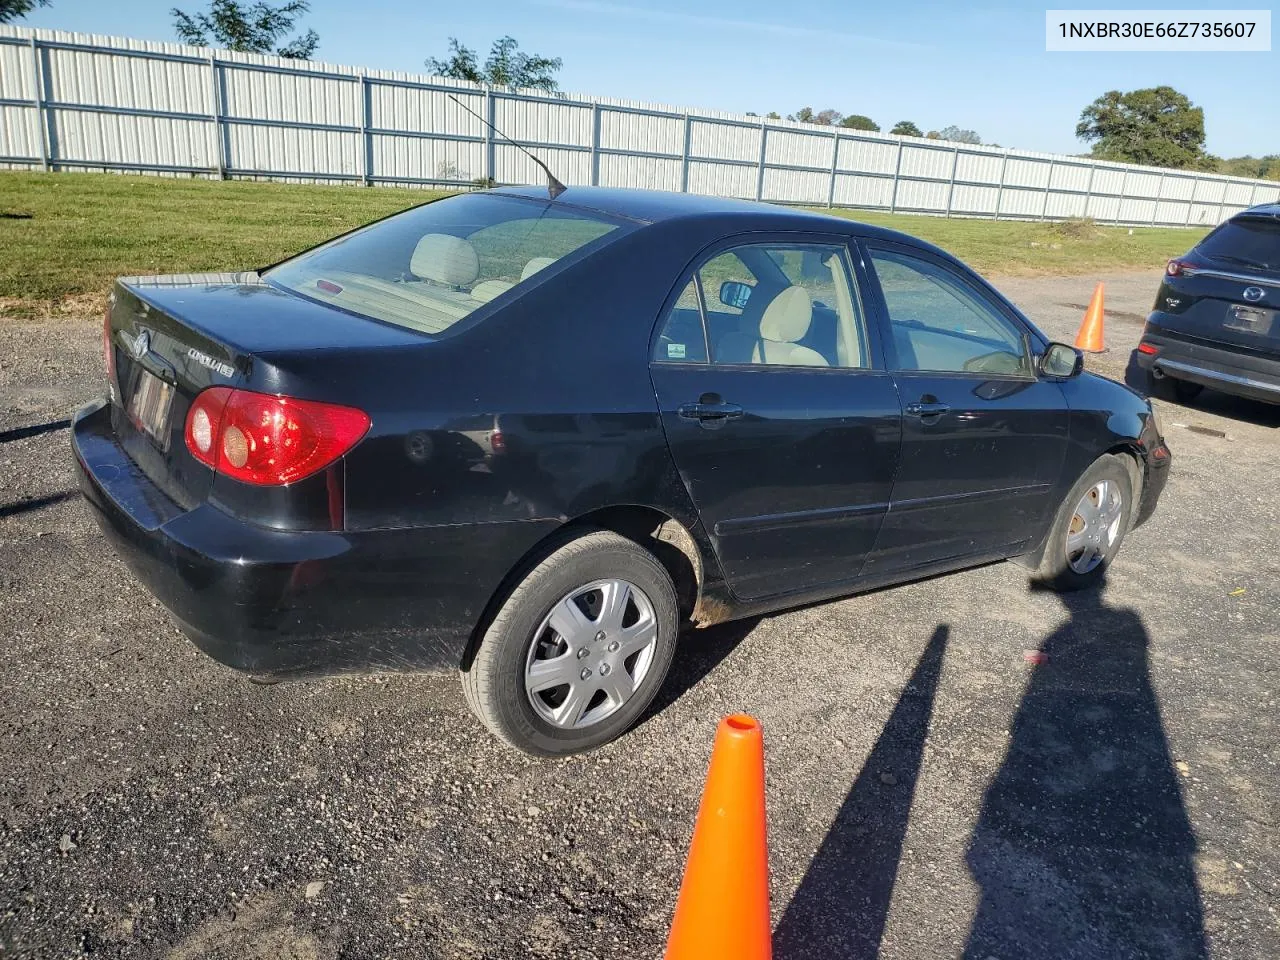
pixel 280 603
pixel 1219 368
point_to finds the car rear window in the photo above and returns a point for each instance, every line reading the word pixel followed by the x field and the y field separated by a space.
pixel 434 265
pixel 1245 241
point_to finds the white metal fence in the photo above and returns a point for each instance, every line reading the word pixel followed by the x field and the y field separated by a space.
pixel 88 102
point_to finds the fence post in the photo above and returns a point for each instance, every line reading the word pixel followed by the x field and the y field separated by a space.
pixel 490 152
pixel 1048 186
pixel 1222 203
pixel 1191 204
pixel 684 159
pixel 215 100
pixel 1155 213
pixel 366 139
pixel 37 82
pixel 835 160
pixel 951 187
pixel 1088 190
pixel 897 172
pixel 764 140
pixel 1253 195
pixel 595 144
pixel 1124 182
pixel 1004 165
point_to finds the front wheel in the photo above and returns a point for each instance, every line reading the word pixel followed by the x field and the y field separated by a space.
pixel 1088 528
pixel 578 648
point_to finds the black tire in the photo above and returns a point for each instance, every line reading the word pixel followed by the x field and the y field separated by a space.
pixel 1053 567
pixel 495 683
pixel 1173 390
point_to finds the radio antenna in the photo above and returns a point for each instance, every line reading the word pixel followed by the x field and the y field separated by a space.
pixel 554 186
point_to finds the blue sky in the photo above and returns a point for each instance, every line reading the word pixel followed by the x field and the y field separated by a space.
pixel 983 68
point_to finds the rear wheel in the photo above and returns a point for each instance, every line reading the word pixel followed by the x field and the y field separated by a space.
pixel 578 648
pixel 1089 527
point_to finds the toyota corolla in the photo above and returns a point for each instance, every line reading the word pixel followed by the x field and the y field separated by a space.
pixel 534 439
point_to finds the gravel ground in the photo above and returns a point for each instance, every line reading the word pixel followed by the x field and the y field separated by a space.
pixel 931 793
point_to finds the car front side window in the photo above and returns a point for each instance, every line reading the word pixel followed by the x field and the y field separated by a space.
pixel 943 324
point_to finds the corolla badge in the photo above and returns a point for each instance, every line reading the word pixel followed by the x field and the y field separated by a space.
pixel 1253 294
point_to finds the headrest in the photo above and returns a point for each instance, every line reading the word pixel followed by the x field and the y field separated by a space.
pixel 787 317
pixel 534 265
pixel 445 259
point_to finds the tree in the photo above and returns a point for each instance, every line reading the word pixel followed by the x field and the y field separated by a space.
pixel 11 10
pixel 804 115
pixel 506 66
pixel 772 115
pixel 958 134
pixel 1157 126
pixel 905 128
pixel 856 121
pixel 1257 168
pixel 248 28
pixel 933 135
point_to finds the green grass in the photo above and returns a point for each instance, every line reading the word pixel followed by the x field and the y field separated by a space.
pixel 65 236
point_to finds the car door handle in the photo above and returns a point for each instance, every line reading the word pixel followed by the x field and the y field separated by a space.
pixel 924 409
pixel 710 411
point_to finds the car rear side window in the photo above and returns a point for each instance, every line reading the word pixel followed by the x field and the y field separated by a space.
pixel 434 265
pixel 769 305
pixel 942 323
pixel 1252 242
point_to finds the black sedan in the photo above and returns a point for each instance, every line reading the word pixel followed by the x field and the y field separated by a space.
pixel 531 439
pixel 1216 319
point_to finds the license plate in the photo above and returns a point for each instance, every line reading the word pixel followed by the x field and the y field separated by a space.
pixel 1249 319
pixel 149 407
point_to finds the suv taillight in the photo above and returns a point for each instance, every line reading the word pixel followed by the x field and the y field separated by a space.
pixel 268 440
pixel 1177 268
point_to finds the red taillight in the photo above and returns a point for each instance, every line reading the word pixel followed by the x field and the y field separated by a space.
pixel 267 440
pixel 1148 349
pixel 497 442
pixel 1176 267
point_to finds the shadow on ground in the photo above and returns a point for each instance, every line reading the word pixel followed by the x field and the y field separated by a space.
pixel 1082 849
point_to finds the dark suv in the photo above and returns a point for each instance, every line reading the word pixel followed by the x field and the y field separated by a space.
pixel 1216 319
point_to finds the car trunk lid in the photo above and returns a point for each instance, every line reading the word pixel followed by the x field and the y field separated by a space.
pixel 172 337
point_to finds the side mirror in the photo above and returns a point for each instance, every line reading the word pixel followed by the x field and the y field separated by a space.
pixel 1061 361
pixel 734 293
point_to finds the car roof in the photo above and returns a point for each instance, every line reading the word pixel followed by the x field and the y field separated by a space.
pixel 1262 209
pixel 656 206
pixel 652 206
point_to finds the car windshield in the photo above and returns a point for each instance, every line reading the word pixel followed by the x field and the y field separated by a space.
pixel 429 267
pixel 1245 241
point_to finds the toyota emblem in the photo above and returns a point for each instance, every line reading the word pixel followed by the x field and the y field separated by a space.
pixel 1253 294
pixel 142 344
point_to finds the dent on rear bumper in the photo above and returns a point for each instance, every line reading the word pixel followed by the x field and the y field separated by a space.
pixel 289 603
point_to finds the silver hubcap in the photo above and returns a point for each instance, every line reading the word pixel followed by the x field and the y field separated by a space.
pixel 591 653
pixel 1094 526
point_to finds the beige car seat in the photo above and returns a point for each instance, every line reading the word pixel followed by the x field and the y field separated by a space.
pixel 534 265
pixel 785 321
pixel 444 259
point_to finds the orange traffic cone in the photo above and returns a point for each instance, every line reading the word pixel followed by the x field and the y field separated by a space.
pixel 723 910
pixel 1089 339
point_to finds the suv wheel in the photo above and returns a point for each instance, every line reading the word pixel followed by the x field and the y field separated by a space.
pixel 578 648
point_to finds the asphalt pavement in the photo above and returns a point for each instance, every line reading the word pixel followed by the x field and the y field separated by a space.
pixel 932 791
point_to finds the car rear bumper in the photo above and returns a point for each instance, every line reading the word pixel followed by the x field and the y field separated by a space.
pixel 1230 371
pixel 277 602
